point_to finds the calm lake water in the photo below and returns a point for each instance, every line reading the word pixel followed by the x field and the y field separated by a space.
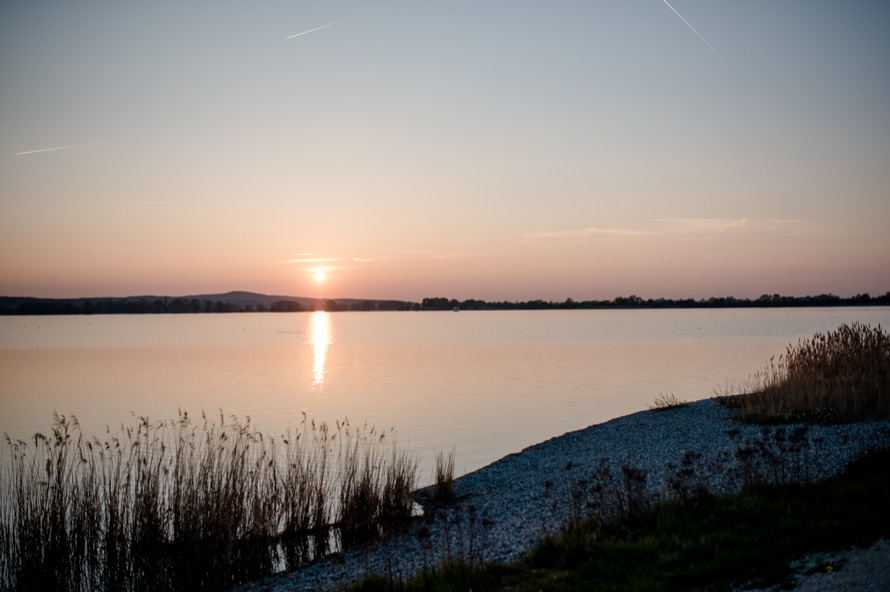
pixel 483 383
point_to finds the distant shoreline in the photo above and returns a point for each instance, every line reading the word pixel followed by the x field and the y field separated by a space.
pixel 234 302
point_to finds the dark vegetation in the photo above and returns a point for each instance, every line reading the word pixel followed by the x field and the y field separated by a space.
pixel 443 487
pixel 765 301
pixel 250 302
pixel 664 402
pixel 692 541
pixel 177 505
pixel 210 303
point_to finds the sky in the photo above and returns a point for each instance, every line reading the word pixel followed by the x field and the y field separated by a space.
pixel 500 150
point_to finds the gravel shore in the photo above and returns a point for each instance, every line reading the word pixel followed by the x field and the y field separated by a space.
pixel 506 507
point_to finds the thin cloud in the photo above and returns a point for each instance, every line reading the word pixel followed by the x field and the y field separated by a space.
pixel 795 227
pixel 384 259
pixel 450 255
pixel 426 254
pixel 304 258
pixel 688 228
pixel 429 254
pixel 711 228
pixel 313 260
pixel 585 233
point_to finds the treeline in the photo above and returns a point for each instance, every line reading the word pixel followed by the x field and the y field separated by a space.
pixel 767 300
pixel 149 305
pixel 37 306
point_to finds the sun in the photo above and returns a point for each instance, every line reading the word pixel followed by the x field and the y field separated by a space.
pixel 319 276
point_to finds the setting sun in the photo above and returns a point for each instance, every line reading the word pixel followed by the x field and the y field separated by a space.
pixel 319 276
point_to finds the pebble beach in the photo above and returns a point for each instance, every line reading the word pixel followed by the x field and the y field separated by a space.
pixel 504 508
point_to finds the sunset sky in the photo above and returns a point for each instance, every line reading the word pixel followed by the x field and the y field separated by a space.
pixel 502 150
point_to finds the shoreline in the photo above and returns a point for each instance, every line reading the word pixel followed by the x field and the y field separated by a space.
pixel 506 507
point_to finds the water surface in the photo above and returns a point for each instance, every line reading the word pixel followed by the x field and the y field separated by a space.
pixel 486 383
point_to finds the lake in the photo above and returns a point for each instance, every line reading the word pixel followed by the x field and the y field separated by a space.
pixel 484 383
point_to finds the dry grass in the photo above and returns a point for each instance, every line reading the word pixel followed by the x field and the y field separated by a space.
pixel 663 402
pixel 837 377
pixel 178 505
pixel 443 488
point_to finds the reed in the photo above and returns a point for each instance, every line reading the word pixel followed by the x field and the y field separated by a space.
pixel 837 377
pixel 377 481
pixel 183 505
pixel 443 489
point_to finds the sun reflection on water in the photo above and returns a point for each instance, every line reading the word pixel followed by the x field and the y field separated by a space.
pixel 320 339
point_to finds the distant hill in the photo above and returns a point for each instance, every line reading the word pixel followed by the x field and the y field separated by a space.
pixel 237 301
pixel 252 298
pixel 242 298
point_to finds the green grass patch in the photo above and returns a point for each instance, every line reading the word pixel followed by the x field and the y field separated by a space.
pixel 698 542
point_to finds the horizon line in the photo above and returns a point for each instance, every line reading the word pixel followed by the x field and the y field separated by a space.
pixel 248 293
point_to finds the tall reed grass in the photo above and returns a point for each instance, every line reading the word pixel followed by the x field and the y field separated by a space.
pixel 836 377
pixel 180 505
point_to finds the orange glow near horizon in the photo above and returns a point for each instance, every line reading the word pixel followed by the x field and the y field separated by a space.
pixel 442 180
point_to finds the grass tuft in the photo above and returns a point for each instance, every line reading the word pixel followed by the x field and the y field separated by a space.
pixel 663 402
pixel 443 489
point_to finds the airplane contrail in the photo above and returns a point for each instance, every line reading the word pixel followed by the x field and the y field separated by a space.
pixel 133 203
pixel 310 30
pixel 699 34
pixel 64 147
